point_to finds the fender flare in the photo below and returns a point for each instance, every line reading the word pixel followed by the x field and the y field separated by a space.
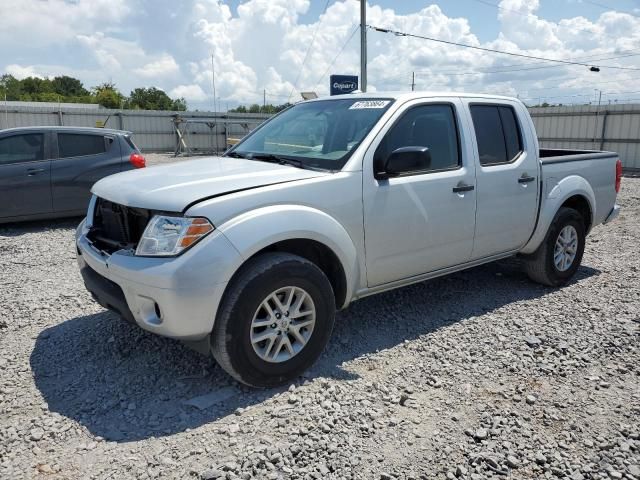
pixel 553 198
pixel 277 223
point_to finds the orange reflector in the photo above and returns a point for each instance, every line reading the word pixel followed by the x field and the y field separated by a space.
pixel 188 241
pixel 199 228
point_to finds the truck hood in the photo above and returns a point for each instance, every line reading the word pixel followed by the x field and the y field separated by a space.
pixel 176 186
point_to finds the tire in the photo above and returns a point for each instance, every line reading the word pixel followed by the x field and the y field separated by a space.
pixel 541 266
pixel 256 283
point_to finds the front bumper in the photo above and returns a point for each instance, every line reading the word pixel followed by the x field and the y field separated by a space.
pixel 615 211
pixel 175 297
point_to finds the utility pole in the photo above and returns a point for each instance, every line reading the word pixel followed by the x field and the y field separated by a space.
pixel 413 81
pixel 264 100
pixel 215 107
pixel 363 45
pixel 213 83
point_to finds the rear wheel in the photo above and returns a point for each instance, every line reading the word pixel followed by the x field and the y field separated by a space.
pixel 275 320
pixel 558 257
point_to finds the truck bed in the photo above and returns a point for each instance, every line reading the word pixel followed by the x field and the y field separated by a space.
pixel 560 155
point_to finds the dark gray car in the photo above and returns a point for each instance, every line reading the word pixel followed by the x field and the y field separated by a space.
pixel 48 172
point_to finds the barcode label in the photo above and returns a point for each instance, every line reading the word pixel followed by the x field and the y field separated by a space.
pixel 369 104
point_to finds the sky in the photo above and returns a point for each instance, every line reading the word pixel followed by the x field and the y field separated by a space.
pixel 283 47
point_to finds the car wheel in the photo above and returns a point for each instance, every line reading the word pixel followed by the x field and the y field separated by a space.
pixel 558 257
pixel 274 321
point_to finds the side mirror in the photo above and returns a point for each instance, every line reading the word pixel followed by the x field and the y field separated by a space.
pixel 405 160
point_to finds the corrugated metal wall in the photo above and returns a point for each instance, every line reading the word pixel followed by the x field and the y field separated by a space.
pixel 611 127
pixel 154 131
pixel 587 127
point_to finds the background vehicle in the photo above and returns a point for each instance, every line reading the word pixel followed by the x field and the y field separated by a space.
pixel 48 172
pixel 251 253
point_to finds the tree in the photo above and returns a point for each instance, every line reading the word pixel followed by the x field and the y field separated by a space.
pixel 154 99
pixel 255 108
pixel 108 95
pixel 10 86
pixel 34 86
pixel 180 105
pixel 68 86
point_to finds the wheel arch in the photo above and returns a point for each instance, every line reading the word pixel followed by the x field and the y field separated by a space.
pixel 303 231
pixel 572 191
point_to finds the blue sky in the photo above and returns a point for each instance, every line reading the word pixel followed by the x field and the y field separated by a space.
pixel 287 46
pixel 482 16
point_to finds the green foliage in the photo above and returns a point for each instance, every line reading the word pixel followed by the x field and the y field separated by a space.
pixel 255 108
pixel 67 89
pixel 154 99
pixel 108 95
pixel 10 86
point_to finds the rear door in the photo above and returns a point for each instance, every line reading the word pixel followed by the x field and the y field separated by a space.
pixel 25 174
pixel 507 178
pixel 83 158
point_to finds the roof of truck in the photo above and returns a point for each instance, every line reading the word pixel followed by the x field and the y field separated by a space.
pixel 400 95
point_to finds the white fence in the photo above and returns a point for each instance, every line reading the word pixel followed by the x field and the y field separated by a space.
pixel 154 131
pixel 610 127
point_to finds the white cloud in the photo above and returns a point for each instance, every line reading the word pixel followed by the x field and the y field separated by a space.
pixel 263 43
pixel 191 93
pixel 164 66
pixel 37 23
pixel 21 72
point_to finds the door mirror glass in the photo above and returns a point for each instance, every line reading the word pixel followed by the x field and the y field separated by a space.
pixel 407 159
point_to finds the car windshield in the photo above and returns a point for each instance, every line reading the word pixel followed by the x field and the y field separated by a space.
pixel 320 134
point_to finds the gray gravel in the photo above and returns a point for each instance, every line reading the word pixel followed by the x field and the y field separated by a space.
pixel 478 375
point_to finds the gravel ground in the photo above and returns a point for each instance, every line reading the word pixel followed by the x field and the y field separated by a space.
pixel 478 375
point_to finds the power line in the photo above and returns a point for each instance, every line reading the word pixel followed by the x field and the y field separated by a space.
pixel 488 72
pixel 500 7
pixel 492 50
pixel 578 95
pixel 306 55
pixel 608 7
pixel 338 54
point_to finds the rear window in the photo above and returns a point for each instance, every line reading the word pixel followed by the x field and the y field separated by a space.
pixel 79 145
pixel 497 133
pixel 129 141
pixel 22 148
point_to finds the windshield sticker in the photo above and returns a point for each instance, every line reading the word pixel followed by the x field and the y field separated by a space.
pixel 369 104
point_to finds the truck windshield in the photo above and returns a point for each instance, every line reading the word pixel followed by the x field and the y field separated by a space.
pixel 320 134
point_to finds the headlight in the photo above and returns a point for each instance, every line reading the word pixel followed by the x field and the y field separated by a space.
pixel 168 236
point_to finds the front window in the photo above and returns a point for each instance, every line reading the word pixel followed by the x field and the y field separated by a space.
pixel 320 134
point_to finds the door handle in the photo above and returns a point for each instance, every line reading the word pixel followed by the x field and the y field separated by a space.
pixel 526 179
pixel 463 188
pixel 34 171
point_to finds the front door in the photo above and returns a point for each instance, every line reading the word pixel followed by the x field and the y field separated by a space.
pixel 507 177
pixel 424 220
pixel 25 175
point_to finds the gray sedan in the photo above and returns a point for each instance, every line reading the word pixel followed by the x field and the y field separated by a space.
pixel 47 172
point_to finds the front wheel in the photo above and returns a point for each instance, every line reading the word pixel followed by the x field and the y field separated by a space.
pixel 275 320
pixel 558 257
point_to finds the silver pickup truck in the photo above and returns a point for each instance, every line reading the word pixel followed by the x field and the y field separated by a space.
pixel 330 201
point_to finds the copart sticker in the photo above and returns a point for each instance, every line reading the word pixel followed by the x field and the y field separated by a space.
pixel 369 104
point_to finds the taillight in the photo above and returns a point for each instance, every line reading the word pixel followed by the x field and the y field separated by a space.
pixel 137 160
pixel 618 175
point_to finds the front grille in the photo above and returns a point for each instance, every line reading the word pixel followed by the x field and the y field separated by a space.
pixel 117 227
